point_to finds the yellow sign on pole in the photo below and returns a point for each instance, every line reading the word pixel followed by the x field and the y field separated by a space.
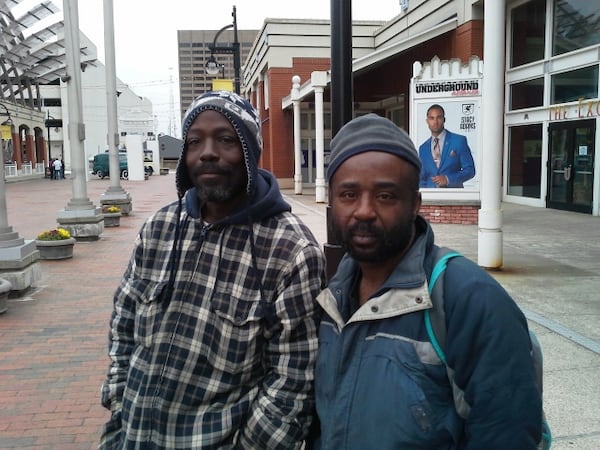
pixel 222 84
pixel 6 132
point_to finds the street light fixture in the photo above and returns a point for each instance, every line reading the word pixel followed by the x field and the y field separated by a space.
pixel 212 66
pixel 8 121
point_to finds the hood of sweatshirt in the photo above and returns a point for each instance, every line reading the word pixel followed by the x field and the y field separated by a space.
pixel 267 201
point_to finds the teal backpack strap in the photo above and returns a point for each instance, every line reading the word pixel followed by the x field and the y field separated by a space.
pixel 435 323
pixel 438 337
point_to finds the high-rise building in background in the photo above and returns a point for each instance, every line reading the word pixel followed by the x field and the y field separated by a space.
pixel 194 52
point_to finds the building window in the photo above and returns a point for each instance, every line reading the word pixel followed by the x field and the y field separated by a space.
pixel 305 121
pixel 525 161
pixel 576 25
pixel 574 85
pixel 396 115
pixel 527 94
pixel 47 102
pixel 528 24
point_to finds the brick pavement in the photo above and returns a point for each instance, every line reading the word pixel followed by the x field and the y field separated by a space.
pixel 53 340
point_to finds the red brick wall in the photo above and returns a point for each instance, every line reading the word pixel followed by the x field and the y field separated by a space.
pixel 450 214
pixel 278 153
pixel 468 41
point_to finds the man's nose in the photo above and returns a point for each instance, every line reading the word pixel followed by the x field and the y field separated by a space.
pixel 209 150
pixel 365 208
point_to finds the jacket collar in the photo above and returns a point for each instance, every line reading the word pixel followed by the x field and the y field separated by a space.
pixel 403 292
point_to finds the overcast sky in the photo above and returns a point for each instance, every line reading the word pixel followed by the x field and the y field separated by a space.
pixel 146 34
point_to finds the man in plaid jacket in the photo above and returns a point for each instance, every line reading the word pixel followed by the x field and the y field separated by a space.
pixel 213 335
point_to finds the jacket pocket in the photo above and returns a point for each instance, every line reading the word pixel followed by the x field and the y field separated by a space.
pixel 149 310
pixel 238 336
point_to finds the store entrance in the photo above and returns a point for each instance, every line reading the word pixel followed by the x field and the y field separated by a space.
pixel 571 165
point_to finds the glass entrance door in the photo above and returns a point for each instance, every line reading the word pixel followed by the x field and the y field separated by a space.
pixel 571 166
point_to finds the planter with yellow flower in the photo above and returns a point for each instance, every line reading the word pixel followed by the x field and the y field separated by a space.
pixel 112 216
pixel 55 244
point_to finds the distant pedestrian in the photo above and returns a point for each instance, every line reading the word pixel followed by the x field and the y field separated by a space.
pixel 57 169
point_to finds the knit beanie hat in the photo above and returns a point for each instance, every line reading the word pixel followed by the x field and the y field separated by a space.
pixel 370 132
pixel 246 123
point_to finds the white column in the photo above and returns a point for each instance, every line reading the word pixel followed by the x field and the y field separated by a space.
pixel 319 81
pixel 490 214
pixel 115 194
pixel 76 128
pixel 80 217
pixel 295 94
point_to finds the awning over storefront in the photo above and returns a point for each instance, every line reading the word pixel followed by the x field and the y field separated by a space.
pixel 379 55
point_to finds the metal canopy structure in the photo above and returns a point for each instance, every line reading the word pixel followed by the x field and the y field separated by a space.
pixel 29 58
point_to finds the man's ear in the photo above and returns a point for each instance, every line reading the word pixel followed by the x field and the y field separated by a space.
pixel 418 201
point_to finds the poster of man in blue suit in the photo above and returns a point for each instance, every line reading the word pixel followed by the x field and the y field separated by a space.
pixel 447 160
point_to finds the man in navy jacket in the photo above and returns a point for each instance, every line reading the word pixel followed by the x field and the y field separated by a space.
pixel 446 157
pixel 379 382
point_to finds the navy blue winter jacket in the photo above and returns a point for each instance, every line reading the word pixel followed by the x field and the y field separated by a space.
pixel 380 385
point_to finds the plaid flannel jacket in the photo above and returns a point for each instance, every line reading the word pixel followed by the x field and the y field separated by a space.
pixel 225 358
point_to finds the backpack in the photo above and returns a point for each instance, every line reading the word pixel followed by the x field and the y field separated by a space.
pixel 435 323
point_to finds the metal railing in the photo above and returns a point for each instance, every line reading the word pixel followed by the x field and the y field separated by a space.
pixel 26 168
pixel 10 170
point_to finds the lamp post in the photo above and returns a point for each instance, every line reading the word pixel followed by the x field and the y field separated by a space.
pixel 212 66
pixel 342 102
pixel 52 122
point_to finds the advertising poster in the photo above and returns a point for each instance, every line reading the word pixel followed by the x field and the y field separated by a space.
pixel 462 117
pixel 452 169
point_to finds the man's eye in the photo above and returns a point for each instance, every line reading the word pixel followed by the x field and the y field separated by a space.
pixel 192 142
pixel 385 196
pixel 228 140
pixel 348 195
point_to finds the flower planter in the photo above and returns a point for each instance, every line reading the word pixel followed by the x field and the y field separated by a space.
pixel 58 249
pixel 112 219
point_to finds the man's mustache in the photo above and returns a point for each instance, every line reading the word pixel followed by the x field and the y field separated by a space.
pixel 212 168
pixel 365 228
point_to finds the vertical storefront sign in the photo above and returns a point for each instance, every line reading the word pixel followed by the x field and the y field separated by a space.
pixel 456 88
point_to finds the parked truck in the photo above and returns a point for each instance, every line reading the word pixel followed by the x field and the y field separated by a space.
pixel 100 167
pixel 101 162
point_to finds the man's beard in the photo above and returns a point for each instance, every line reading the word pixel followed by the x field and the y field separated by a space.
pixel 218 193
pixel 391 243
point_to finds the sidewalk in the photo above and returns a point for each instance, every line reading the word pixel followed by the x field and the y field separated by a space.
pixel 53 341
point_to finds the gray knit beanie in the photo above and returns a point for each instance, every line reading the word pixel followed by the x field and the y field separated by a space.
pixel 370 133
pixel 246 123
